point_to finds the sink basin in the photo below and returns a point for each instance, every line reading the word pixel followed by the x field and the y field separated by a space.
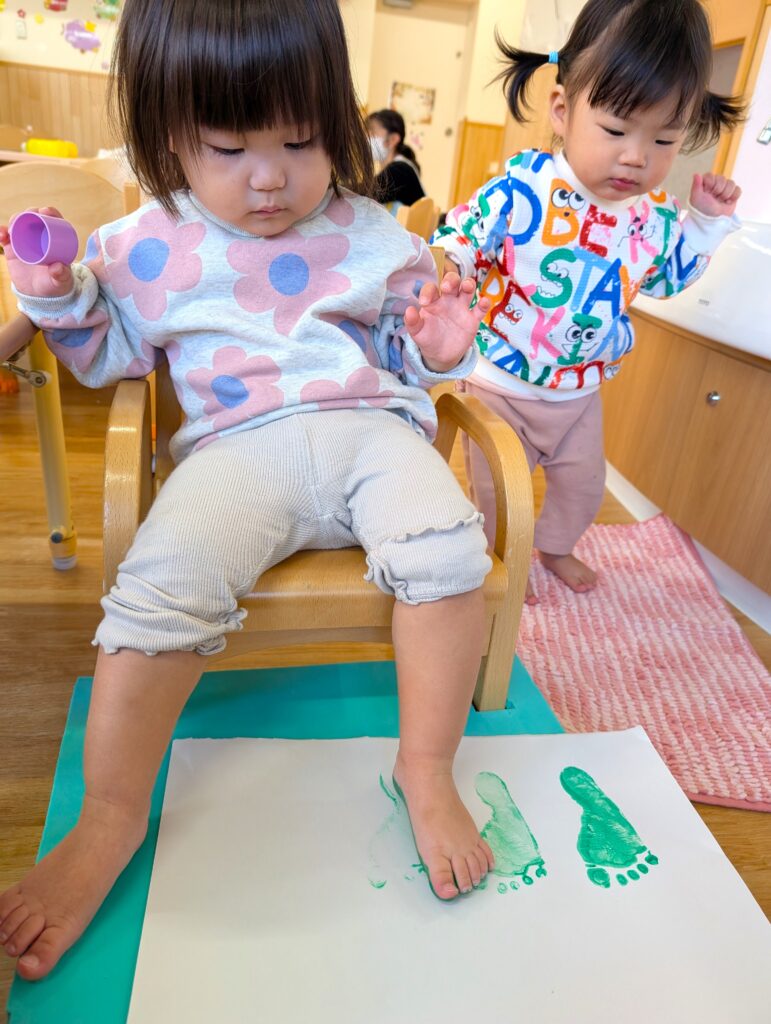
pixel 731 303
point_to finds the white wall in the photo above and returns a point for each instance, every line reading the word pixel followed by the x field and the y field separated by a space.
pixel 547 23
pixel 50 35
pixel 483 100
pixel 752 169
pixel 359 19
pixel 423 47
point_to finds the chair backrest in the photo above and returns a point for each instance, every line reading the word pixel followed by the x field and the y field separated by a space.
pixel 421 218
pixel 109 168
pixel 11 136
pixel 84 199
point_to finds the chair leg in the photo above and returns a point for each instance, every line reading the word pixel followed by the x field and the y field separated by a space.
pixel 492 687
pixel 495 672
pixel 62 538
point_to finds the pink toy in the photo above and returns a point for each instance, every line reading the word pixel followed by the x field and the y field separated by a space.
pixel 37 238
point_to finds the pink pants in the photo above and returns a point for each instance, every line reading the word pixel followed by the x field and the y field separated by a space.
pixel 563 437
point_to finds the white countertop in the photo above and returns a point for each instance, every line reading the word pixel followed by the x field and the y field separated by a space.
pixel 731 303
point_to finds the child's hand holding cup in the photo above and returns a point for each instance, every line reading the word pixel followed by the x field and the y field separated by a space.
pixel 39 246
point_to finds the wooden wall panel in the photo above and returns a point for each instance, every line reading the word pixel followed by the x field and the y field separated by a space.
pixel 57 104
pixel 732 21
pixel 479 148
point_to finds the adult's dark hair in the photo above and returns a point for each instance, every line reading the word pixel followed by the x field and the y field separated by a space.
pixel 631 54
pixel 393 122
pixel 233 65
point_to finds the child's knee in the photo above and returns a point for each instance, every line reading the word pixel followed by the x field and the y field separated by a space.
pixel 142 616
pixel 433 564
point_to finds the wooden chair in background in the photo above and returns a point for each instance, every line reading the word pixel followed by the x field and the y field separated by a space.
pixel 319 600
pixel 421 218
pixel 87 201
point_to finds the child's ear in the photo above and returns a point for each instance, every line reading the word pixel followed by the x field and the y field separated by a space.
pixel 171 145
pixel 558 110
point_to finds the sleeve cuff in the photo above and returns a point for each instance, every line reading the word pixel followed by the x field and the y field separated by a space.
pixel 464 368
pixel 37 308
pixel 704 234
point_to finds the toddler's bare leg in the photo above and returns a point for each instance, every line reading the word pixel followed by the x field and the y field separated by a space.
pixel 438 647
pixel 135 703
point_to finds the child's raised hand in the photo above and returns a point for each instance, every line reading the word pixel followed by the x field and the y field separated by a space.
pixel 443 324
pixel 41 280
pixel 714 195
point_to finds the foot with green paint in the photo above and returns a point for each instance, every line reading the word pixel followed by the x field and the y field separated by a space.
pixel 610 847
pixel 451 851
pixel 516 852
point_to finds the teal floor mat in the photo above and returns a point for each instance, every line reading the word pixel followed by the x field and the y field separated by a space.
pixel 92 982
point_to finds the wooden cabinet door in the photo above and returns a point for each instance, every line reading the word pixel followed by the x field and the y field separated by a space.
pixel 721 493
pixel 648 407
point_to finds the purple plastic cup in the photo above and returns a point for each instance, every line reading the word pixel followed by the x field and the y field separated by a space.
pixel 38 238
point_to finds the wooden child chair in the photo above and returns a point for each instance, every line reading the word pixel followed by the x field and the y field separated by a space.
pixel 87 201
pixel 317 603
pixel 421 218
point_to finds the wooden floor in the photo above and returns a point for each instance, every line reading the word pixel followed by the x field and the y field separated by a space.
pixel 48 619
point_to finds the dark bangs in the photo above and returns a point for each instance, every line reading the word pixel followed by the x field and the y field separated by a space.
pixel 234 65
pixel 638 53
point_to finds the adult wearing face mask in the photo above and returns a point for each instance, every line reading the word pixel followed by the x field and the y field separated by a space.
pixel 398 180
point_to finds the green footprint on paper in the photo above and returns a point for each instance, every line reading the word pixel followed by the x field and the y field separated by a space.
pixel 608 844
pixel 388 842
pixel 516 852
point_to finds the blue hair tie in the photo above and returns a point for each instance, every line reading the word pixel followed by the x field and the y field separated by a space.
pixel 554 56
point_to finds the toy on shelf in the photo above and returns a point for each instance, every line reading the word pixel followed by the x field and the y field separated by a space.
pixel 61 148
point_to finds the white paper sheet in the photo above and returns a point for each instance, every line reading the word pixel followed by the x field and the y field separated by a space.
pixel 267 900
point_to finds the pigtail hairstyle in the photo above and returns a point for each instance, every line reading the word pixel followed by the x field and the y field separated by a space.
pixel 718 114
pixel 521 65
pixel 629 54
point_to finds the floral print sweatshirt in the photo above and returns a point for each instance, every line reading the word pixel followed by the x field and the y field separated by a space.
pixel 253 328
pixel 561 267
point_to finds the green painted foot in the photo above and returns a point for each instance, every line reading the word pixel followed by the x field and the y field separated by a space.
pixel 516 852
pixel 609 846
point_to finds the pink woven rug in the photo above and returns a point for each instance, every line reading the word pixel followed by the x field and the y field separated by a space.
pixel 654 645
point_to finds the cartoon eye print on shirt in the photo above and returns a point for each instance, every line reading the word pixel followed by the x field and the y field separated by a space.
pixel 640 229
pixel 561 223
pixel 580 339
pixel 506 313
pixel 556 287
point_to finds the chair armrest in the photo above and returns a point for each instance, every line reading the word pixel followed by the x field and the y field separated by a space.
pixel 168 417
pixel 128 472
pixel 505 456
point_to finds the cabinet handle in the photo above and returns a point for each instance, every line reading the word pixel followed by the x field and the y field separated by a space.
pixel 713 398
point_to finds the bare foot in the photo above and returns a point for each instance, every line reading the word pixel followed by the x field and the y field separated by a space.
pixel 42 916
pixel 450 848
pixel 574 573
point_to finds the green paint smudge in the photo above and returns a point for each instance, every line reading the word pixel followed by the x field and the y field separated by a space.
pixel 376 872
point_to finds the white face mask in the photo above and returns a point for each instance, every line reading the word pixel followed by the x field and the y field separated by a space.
pixel 379 149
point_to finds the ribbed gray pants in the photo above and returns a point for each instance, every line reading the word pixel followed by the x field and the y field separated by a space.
pixel 244 502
